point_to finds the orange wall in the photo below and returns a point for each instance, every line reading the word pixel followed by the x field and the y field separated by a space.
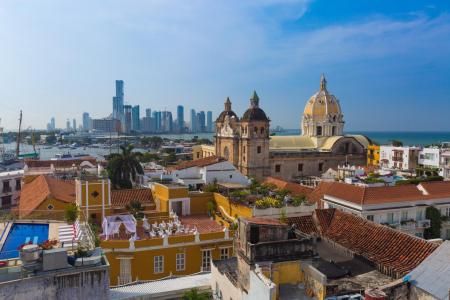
pixel 199 202
pixel 233 209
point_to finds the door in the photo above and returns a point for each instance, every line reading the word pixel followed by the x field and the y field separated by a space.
pixel 177 207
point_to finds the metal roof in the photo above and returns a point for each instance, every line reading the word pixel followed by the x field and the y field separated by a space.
pixel 433 274
pixel 162 288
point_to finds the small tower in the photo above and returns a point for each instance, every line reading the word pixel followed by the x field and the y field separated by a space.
pixel 254 141
pixel 227 134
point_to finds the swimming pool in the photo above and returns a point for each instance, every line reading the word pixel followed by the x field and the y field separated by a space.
pixel 22 233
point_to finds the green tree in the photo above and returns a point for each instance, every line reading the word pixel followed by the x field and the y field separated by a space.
pixel 194 294
pixel 434 231
pixel 124 167
pixel 135 208
pixel 71 213
pixel 397 143
pixel 211 207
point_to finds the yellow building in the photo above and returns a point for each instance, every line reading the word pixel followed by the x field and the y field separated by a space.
pixel 373 155
pixel 202 151
pixel 188 250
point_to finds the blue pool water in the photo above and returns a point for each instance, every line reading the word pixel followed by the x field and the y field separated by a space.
pixel 20 234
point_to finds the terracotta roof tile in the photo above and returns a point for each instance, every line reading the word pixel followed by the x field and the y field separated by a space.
pixel 316 195
pixel 393 252
pixel 61 163
pixel 120 198
pixel 295 188
pixel 202 162
pixel 43 187
pixel 304 224
pixel 437 188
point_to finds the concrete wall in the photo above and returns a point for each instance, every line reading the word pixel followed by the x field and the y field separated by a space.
pixel 92 284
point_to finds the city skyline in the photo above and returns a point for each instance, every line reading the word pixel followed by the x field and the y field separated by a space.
pixel 386 59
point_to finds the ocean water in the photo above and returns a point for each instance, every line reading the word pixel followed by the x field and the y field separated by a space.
pixel 410 138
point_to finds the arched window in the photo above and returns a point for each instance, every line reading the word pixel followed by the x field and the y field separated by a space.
pixel 255 130
pixel 319 130
pixel 334 118
pixel 333 130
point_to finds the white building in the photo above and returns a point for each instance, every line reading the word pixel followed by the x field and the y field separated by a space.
pixel 399 158
pixel 402 207
pixel 207 170
pixel 11 184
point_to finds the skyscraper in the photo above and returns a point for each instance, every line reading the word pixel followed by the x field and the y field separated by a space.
pixel 74 125
pixel 118 112
pixel 86 122
pixel 67 124
pixel 127 118
pixel 193 121
pixel 148 112
pixel 201 126
pixel 180 118
pixel 53 123
pixel 209 121
pixel 135 114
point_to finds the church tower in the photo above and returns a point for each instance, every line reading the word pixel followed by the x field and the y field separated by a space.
pixel 322 116
pixel 227 134
pixel 254 141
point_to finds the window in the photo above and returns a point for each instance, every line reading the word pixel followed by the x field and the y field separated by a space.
pixel 262 130
pixel 231 176
pixel 18 185
pixel 419 234
pixel 158 264
pixel 224 253
pixel 333 130
pixel 419 215
pixel 370 217
pixel 319 130
pixel 446 211
pixel 125 271
pixel 277 168
pixel 180 261
pixel 404 215
pixel 390 218
pixel 243 150
pixel 258 149
pixel 321 167
pixel 255 130
pixel 198 154
pixel 206 260
pixel 50 207
pixel 300 167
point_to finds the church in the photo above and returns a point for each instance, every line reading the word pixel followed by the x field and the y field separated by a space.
pixel 247 143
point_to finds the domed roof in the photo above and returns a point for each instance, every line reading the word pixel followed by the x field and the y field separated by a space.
pixel 254 113
pixel 322 104
pixel 227 112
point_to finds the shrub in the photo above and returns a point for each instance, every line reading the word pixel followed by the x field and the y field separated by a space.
pixel 298 200
pixel 434 231
pixel 71 213
pixel 267 202
pixel 135 208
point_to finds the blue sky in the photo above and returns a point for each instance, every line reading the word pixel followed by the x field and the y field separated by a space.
pixel 387 61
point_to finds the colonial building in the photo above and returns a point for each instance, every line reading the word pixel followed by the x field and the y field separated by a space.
pixel 247 144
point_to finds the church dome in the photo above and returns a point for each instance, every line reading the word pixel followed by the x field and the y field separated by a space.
pixel 254 113
pixel 323 106
pixel 227 112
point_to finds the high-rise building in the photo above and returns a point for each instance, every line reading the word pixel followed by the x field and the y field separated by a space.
pixel 201 119
pixel 118 109
pixel 148 112
pixel 106 125
pixel 193 121
pixel 209 121
pixel 67 124
pixel 157 119
pixel 127 119
pixel 74 125
pixel 53 123
pixel 180 118
pixel 86 122
pixel 135 114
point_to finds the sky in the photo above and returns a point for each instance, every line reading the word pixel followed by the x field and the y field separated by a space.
pixel 388 62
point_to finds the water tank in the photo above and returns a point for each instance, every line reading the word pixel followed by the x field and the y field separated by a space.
pixel 374 294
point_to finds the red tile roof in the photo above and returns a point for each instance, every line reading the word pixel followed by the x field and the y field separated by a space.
pixel 437 188
pixel 304 224
pixel 374 195
pixel 120 198
pixel 295 188
pixel 263 221
pixel 316 195
pixel 393 252
pixel 60 163
pixel 42 188
pixel 202 162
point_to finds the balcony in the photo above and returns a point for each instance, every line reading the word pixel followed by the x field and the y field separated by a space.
pixel 408 224
pixel 423 223
pixel 397 158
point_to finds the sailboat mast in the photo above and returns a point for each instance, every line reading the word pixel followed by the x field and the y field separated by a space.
pixel 18 136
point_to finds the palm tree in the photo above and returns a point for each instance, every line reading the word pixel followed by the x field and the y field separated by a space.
pixel 123 167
